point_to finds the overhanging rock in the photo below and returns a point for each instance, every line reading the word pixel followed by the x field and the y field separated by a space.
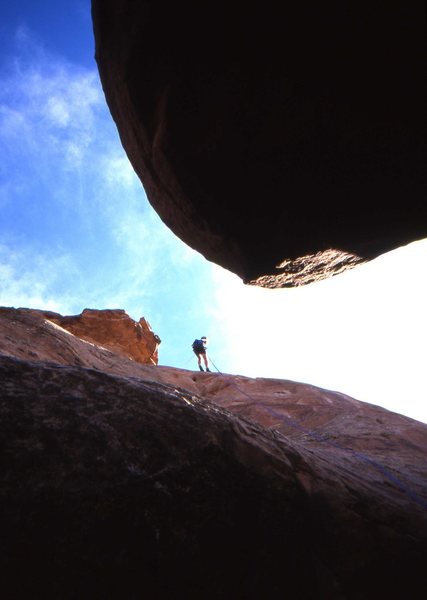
pixel 283 143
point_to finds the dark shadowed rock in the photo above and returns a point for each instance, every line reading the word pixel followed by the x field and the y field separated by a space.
pixel 118 487
pixel 284 142
pixel 123 480
pixel 114 487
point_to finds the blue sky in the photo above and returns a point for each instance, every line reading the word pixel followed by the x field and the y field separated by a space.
pixel 77 231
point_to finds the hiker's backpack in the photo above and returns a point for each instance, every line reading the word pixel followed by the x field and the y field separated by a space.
pixel 197 345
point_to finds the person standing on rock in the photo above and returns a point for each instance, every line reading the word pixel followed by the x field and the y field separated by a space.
pixel 199 349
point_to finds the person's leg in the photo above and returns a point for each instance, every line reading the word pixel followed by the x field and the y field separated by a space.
pixel 205 358
pixel 199 361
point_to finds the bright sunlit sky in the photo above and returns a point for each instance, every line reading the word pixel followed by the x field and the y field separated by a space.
pixel 77 231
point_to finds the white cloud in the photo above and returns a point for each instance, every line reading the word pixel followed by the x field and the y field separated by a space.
pixel 29 280
pixel 119 171
pixel 51 109
pixel 363 332
pixel 57 111
pixel 66 161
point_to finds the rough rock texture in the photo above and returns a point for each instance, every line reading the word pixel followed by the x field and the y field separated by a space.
pixel 113 330
pixel 284 143
pixel 122 480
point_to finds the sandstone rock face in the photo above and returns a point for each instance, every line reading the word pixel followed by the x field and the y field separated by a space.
pixel 119 488
pixel 113 330
pixel 285 144
pixel 123 480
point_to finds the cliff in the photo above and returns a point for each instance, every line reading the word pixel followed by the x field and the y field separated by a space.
pixel 283 142
pixel 43 335
pixel 124 480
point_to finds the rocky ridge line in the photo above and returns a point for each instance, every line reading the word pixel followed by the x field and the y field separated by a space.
pixel 123 479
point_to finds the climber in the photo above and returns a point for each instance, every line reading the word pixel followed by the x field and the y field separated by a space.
pixel 199 349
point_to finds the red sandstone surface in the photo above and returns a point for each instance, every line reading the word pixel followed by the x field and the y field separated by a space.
pixel 281 486
pixel 111 330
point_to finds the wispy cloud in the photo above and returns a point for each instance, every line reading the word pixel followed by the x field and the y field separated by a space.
pixel 45 98
pixel 50 113
pixel 30 280
pixel 64 163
